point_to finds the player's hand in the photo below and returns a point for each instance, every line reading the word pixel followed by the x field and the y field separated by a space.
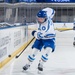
pixel 39 35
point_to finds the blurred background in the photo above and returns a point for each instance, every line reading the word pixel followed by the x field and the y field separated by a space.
pixel 12 11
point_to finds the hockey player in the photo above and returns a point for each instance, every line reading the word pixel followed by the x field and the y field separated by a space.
pixel 45 37
pixel 74 29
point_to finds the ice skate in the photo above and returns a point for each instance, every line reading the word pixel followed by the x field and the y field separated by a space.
pixel 26 67
pixel 40 68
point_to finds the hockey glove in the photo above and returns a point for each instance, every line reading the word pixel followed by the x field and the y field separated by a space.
pixel 37 35
pixel 33 32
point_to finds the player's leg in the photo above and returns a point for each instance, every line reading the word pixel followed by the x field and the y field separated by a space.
pixel 74 42
pixel 74 37
pixel 49 46
pixel 44 58
pixel 31 57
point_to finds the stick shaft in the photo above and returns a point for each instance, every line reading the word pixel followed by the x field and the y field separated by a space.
pixel 25 47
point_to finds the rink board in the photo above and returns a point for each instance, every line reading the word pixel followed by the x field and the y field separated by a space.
pixel 12 41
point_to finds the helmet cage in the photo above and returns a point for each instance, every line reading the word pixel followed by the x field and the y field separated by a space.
pixel 42 14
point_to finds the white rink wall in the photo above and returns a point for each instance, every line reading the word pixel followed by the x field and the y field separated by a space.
pixel 11 39
pixel 56 25
pixel 61 25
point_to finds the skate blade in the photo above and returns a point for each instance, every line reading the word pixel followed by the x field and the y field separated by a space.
pixel 25 71
pixel 39 72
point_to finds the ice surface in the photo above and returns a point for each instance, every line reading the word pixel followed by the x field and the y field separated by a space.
pixel 61 62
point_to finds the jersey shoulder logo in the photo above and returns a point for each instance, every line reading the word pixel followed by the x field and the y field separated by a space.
pixel 43 28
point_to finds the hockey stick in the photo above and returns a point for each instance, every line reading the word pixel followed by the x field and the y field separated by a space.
pixel 25 47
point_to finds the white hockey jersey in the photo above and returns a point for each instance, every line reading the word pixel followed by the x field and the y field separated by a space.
pixel 50 12
pixel 46 29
